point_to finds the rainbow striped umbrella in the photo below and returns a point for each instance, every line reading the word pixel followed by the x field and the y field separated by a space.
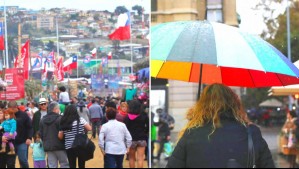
pixel 205 52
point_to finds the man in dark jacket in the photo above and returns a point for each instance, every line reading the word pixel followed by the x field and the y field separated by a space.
pixel 43 105
pixel 49 128
pixel 24 136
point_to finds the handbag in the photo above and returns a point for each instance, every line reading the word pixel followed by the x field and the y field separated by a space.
pixel 232 163
pixel 83 145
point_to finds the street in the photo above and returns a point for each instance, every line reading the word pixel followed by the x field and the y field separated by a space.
pixel 269 134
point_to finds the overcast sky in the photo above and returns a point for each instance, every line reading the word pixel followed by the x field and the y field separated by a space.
pixel 109 5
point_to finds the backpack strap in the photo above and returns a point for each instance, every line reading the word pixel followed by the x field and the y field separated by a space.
pixel 251 152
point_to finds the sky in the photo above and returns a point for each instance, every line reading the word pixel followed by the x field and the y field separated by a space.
pixel 109 5
pixel 252 20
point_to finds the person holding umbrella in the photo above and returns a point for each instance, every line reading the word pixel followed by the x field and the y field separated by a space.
pixel 216 135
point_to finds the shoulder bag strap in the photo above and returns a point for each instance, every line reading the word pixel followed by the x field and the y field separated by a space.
pixel 251 151
pixel 78 123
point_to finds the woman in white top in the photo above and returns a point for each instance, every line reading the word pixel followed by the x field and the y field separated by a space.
pixel 64 97
pixel 69 130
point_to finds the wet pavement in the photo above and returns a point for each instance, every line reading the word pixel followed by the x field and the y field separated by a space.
pixel 269 134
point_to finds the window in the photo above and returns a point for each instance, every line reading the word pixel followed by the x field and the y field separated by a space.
pixel 214 10
pixel 154 5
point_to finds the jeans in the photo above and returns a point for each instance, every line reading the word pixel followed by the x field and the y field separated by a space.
pixel 22 152
pixel 7 161
pixel 72 156
pixel 113 161
pixel 57 156
pixel 95 127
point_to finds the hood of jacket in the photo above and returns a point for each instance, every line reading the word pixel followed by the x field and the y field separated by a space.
pixel 50 118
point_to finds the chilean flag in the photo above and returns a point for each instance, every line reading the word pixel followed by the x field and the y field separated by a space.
pixel 70 64
pixel 94 52
pixel 123 30
pixel 1 37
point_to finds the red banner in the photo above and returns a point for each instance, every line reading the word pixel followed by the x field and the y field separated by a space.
pixel 23 61
pixel 16 87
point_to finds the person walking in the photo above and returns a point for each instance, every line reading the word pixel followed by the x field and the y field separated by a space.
pixel 96 115
pixel 216 135
pixel 137 123
pixel 115 140
pixel 83 111
pixel 68 130
pixel 32 109
pixel 49 129
pixel 38 116
pixel 6 161
pixel 123 112
pixel 24 136
pixel 39 155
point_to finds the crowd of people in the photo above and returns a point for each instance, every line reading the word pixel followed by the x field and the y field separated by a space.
pixel 51 127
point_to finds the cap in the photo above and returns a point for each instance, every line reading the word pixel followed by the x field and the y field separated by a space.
pixel 42 100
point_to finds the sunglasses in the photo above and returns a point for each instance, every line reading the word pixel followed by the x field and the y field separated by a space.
pixel 43 104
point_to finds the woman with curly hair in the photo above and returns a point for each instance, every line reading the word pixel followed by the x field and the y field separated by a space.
pixel 216 133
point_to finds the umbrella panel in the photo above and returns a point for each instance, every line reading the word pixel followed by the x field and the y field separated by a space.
pixel 190 72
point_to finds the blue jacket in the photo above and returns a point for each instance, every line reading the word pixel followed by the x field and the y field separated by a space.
pixel 38 151
pixel 9 126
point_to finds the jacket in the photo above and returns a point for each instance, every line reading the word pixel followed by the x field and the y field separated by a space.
pixel 9 126
pixel 49 128
pixel 138 127
pixel 95 111
pixel 38 151
pixel 197 150
pixel 24 128
pixel 36 121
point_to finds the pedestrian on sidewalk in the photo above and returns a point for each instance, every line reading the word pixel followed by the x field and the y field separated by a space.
pixel 54 147
pixel 39 155
pixel 96 115
pixel 68 130
pixel 115 140
pixel 216 135
pixel 137 123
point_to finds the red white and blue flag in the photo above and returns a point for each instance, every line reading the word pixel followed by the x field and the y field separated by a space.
pixel 51 58
pixel 1 37
pixel 70 64
pixel 38 61
pixel 123 30
pixel 94 52
pixel 59 72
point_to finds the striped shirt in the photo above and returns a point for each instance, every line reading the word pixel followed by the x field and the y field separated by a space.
pixel 71 134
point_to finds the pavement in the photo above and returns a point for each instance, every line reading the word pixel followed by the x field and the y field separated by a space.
pixel 269 134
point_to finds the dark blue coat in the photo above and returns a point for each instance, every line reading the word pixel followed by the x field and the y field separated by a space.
pixel 196 150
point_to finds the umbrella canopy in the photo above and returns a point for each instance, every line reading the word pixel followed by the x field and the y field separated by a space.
pixel 204 52
pixel 271 103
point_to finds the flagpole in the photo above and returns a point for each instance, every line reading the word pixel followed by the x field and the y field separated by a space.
pixel 57 34
pixel 131 40
pixel 6 45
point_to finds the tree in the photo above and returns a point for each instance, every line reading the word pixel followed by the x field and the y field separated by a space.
pixel 276 33
pixel 138 8
pixel 50 46
pixel 120 9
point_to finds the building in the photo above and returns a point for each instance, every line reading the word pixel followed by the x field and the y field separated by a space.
pixel 175 96
pixel 45 22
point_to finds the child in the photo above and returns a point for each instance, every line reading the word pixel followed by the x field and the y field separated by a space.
pixel 10 127
pixel 39 155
